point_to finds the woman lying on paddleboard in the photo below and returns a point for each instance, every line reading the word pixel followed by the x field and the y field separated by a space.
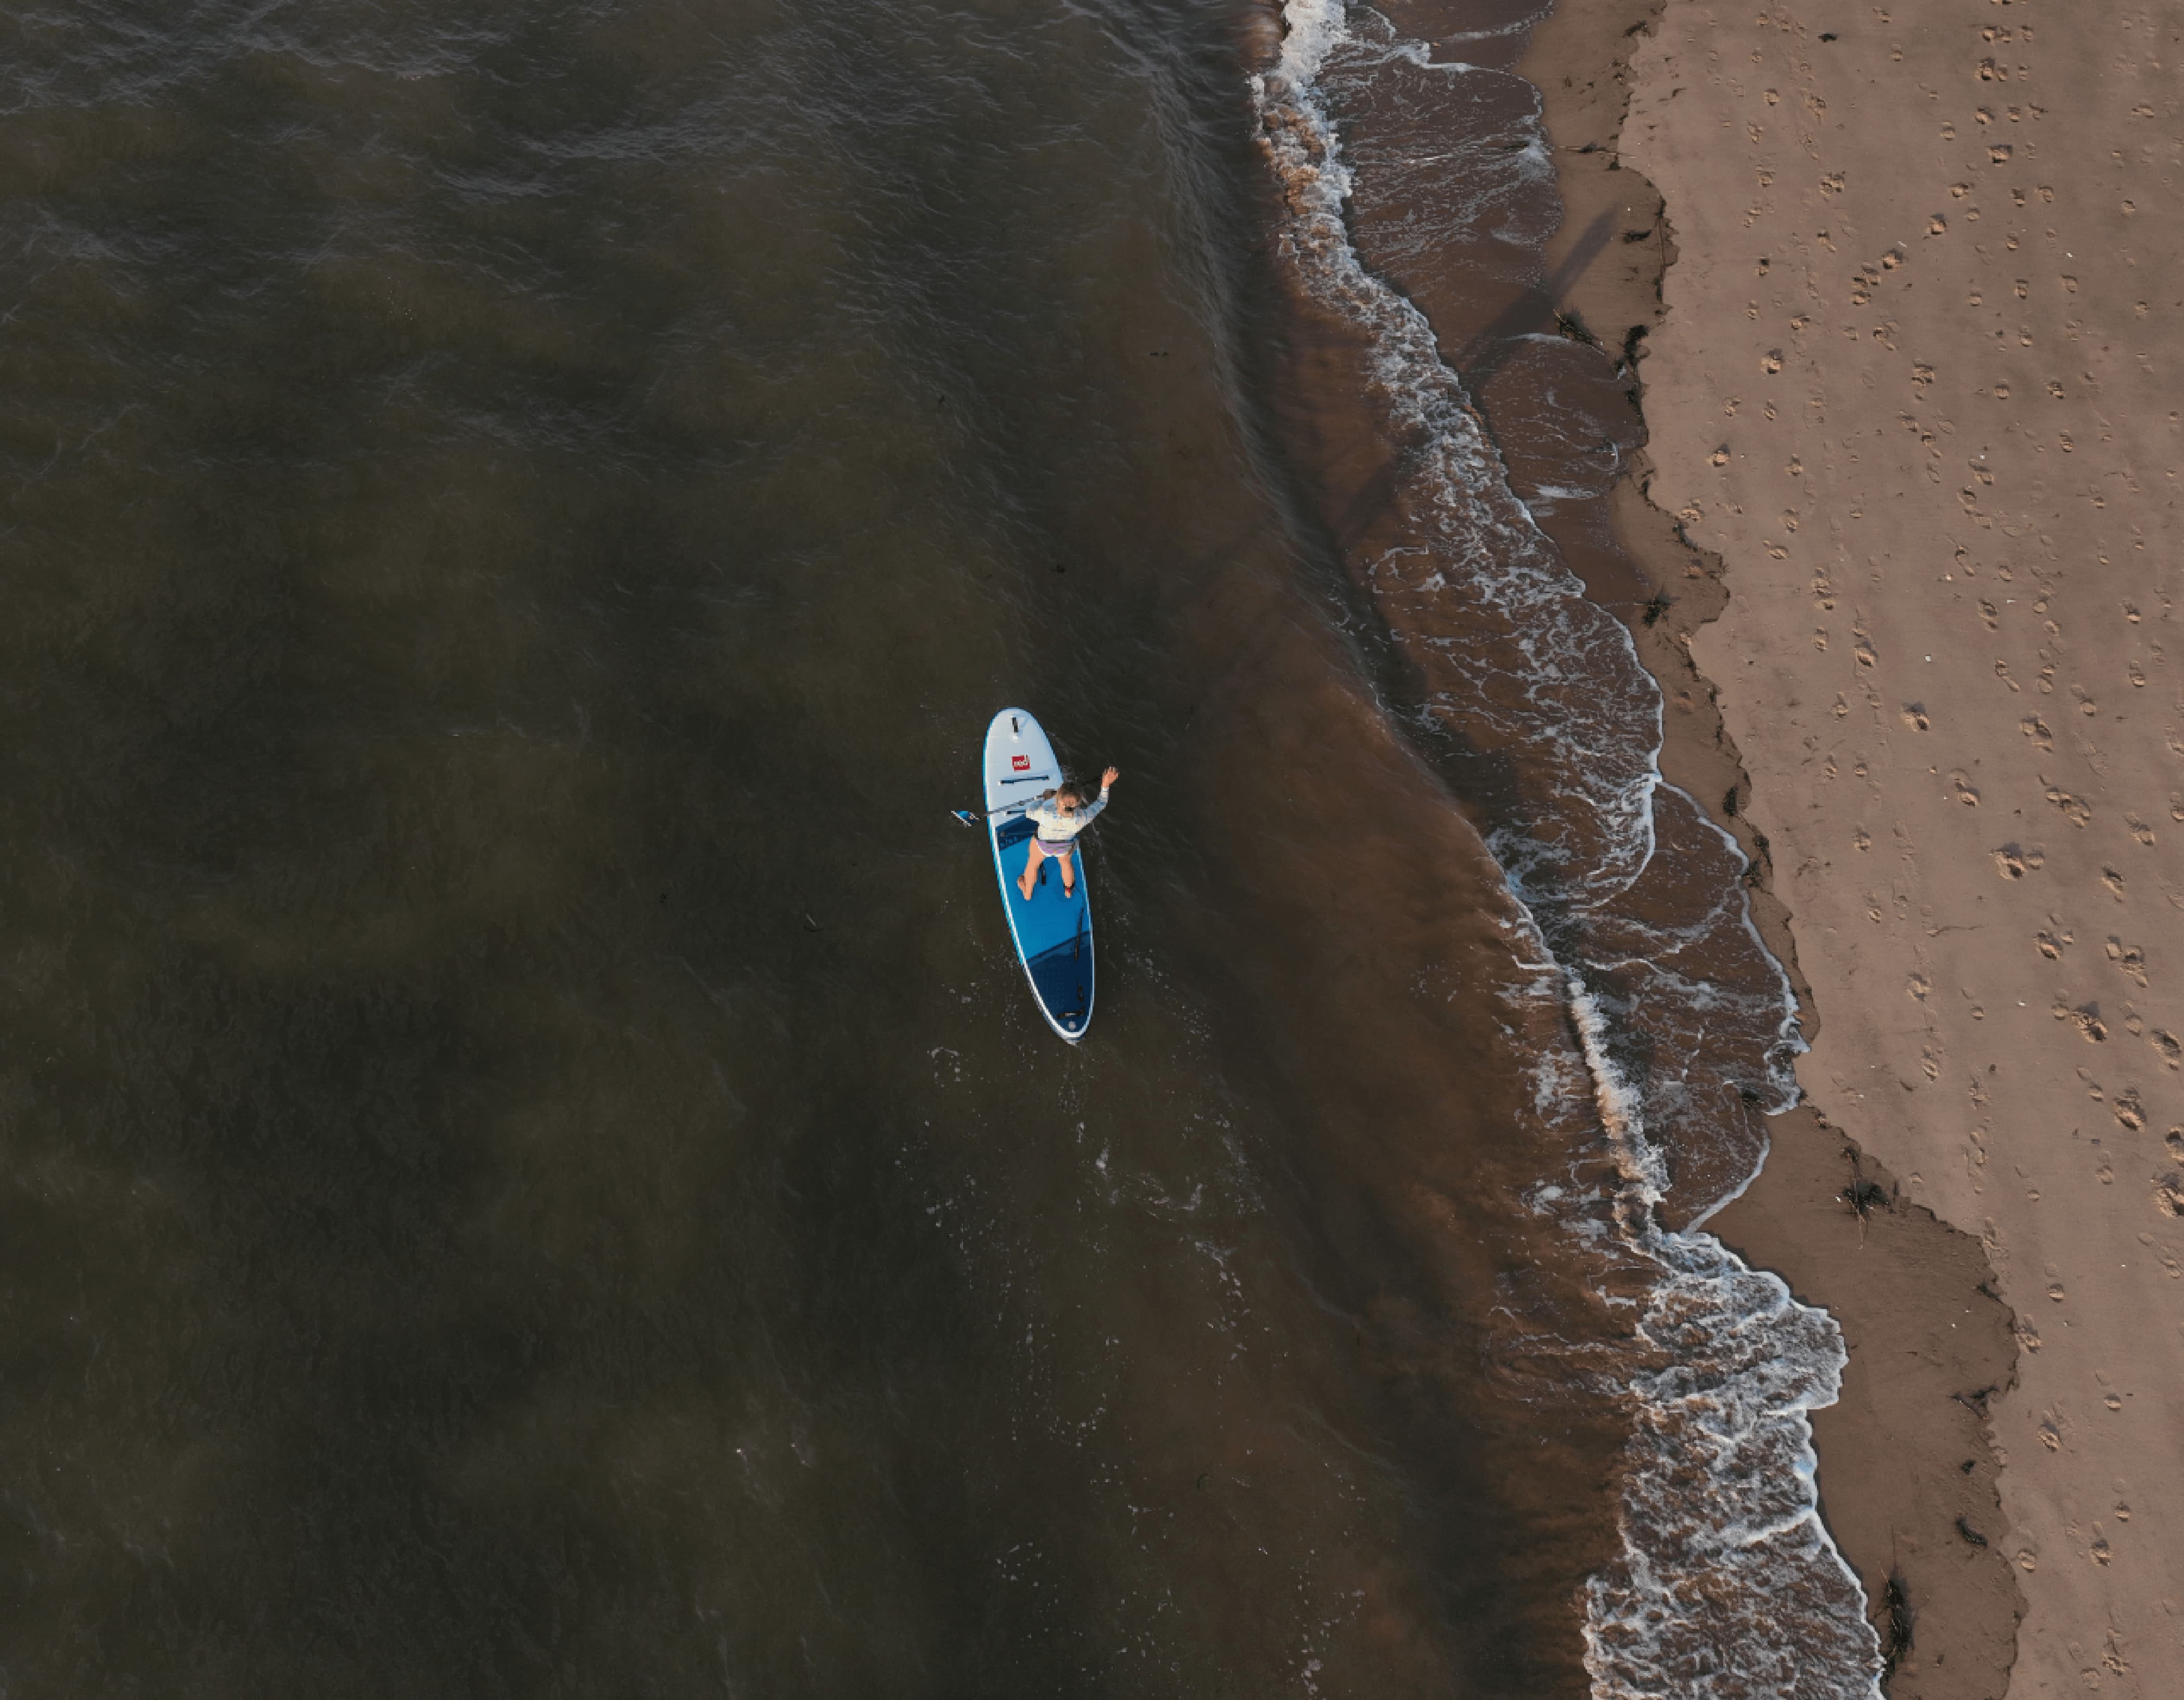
pixel 1059 816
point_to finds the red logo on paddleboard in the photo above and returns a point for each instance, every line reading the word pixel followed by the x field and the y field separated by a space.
pixel 1019 763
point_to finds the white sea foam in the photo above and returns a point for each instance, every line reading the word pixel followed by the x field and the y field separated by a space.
pixel 1727 1586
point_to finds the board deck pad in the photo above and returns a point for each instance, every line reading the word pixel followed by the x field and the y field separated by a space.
pixel 1052 931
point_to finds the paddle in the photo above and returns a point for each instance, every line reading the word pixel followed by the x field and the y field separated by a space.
pixel 969 818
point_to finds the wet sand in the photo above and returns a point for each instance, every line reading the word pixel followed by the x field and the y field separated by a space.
pixel 1515 685
pixel 1927 1339
pixel 1908 1471
pixel 1908 403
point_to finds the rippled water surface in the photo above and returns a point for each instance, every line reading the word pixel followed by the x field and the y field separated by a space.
pixel 531 1167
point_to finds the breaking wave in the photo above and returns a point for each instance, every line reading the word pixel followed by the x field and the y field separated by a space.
pixel 1727 1585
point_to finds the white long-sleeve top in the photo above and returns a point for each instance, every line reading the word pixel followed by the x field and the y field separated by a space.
pixel 1057 825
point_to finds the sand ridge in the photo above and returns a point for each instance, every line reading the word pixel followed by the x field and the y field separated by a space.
pixel 1911 386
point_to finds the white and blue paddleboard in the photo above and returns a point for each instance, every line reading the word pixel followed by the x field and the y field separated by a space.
pixel 1053 933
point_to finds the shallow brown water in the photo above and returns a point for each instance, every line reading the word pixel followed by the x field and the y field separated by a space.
pixel 1458 438
pixel 532 1170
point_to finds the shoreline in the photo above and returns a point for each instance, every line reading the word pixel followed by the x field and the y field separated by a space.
pixel 1895 1488
pixel 1719 1550
pixel 1907 1466
pixel 1906 389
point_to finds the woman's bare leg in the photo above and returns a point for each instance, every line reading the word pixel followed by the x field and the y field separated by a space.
pixel 1031 869
pixel 1068 861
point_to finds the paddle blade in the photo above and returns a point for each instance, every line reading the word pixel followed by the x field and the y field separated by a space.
pixel 964 816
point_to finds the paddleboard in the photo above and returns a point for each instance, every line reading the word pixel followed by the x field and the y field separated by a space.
pixel 1053 933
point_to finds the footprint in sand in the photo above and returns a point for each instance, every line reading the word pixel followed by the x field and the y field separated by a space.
pixel 2086 1018
pixel 1914 716
pixel 2052 941
pixel 2128 959
pixel 2013 862
pixel 1960 783
pixel 2113 882
pixel 2076 809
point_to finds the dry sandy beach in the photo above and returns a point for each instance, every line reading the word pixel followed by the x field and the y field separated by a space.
pixel 1909 388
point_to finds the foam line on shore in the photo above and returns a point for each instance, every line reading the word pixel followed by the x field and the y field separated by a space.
pixel 1727 1585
